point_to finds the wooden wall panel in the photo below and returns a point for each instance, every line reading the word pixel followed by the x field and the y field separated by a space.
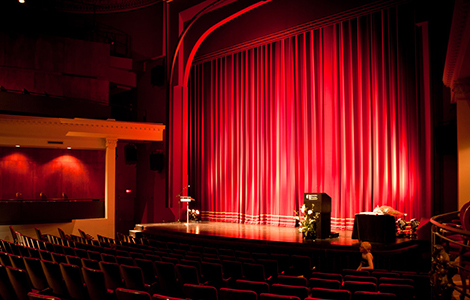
pixel 77 173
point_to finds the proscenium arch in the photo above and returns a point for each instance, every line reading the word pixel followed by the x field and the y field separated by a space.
pixel 178 107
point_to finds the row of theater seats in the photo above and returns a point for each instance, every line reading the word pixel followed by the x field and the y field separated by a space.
pixel 168 268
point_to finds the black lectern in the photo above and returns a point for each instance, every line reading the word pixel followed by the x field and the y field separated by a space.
pixel 322 204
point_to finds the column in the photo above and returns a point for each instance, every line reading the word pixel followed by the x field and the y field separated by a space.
pixel 110 180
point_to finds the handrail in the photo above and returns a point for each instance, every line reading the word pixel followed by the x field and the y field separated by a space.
pixel 444 264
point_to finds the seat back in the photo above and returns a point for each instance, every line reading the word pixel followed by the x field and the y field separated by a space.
pixel 200 292
pixel 166 278
pixel 54 277
pixel 35 296
pixel 17 261
pixel 402 291
pixel 73 260
pixel 325 275
pixel 20 282
pixel 186 274
pixel 361 295
pixel 354 286
pixel 292 280
pixel 6 289
pixel 360 278
pixel 235 294
pixel 35 273
pixel 324 283
pixel 126 294
pixel 233 269
pixel 112 275
pixel 283 261
pixel 95 283
pixel 323 293
pixel 301 265
pixel 73 281
pixel 257 286
pixel 271 268
pixel 406 281
pixel 290 290
pixel 108 258
pixel 380 274
pixel 148 269
pixel 253 271
pixel 90 263
pixel 212 274
pixel 125 260
pixel 268 296
pixel 133 277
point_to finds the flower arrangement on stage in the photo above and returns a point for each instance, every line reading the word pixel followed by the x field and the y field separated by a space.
pixel 307 221
pixel 194 215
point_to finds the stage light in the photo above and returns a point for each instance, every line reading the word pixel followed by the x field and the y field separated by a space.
pixel 21 1
pixel 17 146
pixel 401 225
pixel 414 225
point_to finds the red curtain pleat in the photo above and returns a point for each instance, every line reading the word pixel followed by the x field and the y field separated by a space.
pixel 331 110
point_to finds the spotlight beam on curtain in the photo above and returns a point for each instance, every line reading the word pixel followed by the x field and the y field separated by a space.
pixel 331 110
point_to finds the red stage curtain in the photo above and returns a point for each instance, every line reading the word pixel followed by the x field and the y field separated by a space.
pixel 335 110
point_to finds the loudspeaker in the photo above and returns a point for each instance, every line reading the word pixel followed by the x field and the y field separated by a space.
pixel 157 75
pixel 130 154
pixel 157 162
pixel 321 203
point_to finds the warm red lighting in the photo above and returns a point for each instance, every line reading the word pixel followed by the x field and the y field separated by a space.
pixel 128 191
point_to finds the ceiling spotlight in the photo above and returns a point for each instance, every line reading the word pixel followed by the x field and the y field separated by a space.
pixel 21 1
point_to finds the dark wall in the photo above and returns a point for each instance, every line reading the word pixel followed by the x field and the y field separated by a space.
pixel 270 19
pixel 77 173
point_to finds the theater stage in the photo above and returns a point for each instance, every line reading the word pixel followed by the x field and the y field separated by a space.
pixel 326 254
pixel 260 234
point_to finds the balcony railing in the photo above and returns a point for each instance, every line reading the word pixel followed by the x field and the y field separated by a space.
pixel 450 255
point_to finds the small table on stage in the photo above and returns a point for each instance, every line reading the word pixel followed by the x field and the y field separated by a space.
pixel 374 228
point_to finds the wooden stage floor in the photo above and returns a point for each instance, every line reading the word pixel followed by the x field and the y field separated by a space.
pixel 255 233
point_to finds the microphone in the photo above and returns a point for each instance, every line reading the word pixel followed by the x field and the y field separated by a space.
pixel 183 190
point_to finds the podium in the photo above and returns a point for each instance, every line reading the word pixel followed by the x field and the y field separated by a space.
pixel 321 203
pixel 187 200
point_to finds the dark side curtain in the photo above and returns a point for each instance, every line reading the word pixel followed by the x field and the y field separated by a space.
pixel 335 109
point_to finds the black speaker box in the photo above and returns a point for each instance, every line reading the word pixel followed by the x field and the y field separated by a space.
pixel 130 154
pixel 157 162
pixel 157 75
